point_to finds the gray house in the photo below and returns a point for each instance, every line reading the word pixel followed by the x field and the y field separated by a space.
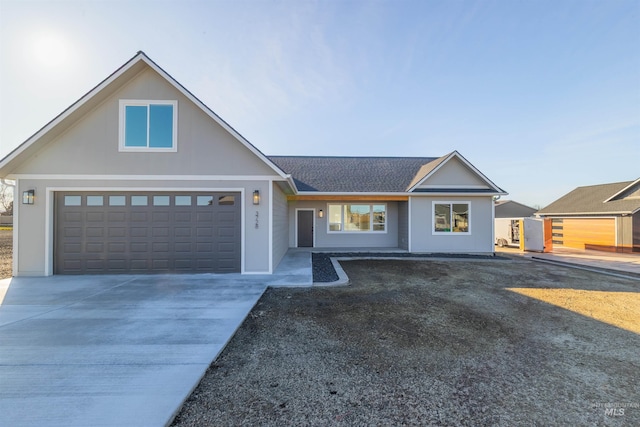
pixel 139 176
pixel 602 217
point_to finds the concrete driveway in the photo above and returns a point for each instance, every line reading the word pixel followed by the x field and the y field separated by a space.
pixel 112 350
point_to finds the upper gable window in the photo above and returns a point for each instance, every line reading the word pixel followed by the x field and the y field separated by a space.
pixel 148 125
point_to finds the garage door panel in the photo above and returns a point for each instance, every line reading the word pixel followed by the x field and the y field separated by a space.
pixel 116 216
pixel 183 216
pixel 139 216
pixel 117 247
pixel 139 247
pixel 138 233
pixel 73 217
pixel 581 232
pixel 117 232
pixel 73 248
pixel 95 247
pixel 97 232
pixel 95 217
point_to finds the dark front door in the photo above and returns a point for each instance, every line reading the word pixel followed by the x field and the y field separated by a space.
pixel 305 229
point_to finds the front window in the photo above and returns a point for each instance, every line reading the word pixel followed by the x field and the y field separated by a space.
pixel 451 217
pixel 148 125
pixel 354 218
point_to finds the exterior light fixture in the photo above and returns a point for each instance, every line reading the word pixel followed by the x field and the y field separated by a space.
pixel 28 197
pixel 321 213
pixel 256 197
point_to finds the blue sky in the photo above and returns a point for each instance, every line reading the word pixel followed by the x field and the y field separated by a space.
pixel 541 96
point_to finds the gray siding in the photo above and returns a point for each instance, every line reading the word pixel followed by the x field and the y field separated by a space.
pixel 454 173
pixel 479 240
pixel 34 233
pixel 204 147
pixel 280 225
pixel 324 239
pixel 636 231
pixel 403 225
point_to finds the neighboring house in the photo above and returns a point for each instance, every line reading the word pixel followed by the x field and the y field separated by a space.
pixel 511 209
pixel 140 176
pixel 601 217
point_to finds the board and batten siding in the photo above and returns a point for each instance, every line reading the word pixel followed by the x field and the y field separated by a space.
pixel 479 240
pixel 280 225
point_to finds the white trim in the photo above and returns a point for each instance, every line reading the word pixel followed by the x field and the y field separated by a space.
pixel 409 207
pixel 123 103
pixel 585 214
pixel 370 231
pixel 149 177
pixel 445 186
pixel 296 226
pixel 493 227
pixel 270 192
pixel 17 201
pixel 139 57
pixel 449 233
pixel 466 163
pixel 50 214
pixel 623 190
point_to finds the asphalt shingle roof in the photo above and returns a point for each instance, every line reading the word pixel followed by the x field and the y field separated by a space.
pixel 591 199
pixel 352 174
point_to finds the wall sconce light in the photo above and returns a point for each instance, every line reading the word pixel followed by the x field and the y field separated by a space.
pixel 321 213
pixel 28 197
pixel 256 197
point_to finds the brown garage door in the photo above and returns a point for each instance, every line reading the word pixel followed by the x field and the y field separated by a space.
pixel 145 232
pixel 584 233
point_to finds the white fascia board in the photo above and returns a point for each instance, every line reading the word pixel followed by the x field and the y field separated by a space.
pixel 623 190
pixel 70 110
pixel 140 57
pixel 211 114
pixel 420 194
pixel 490 183
pixel 150 177
pixel 586 214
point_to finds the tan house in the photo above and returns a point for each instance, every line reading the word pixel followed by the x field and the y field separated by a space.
pixel 139 176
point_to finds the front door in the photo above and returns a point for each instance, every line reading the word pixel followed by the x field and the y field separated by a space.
pixel 305 229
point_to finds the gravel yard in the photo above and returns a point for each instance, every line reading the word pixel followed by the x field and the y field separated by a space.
pixel 433 343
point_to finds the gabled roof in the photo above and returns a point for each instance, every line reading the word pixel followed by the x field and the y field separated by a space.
pixel 328 174
pixel 351 174
pixel 512 209
pixel 429 170
pixel 96 95
pixel 596 199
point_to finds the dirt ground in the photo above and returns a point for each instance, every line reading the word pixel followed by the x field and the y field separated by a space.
pixel 6 253
pixel 433 343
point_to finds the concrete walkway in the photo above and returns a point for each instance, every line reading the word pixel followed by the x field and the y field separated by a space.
pixel 621 262
pixel 118 350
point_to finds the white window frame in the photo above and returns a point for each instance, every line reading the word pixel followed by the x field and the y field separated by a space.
pixel 370 231
pixel 146 103
pixel 451 203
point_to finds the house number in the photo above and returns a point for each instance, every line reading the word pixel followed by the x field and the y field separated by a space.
pixel 257 222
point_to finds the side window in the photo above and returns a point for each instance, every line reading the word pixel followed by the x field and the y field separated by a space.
pixel 451 218
pixel 148 125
